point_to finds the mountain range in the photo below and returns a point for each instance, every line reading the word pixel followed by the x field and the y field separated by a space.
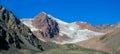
pixel 58 31
pixel 45 34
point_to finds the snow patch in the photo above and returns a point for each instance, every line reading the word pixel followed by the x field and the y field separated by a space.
pixel 28 22
pixel 58 20
pixel 83 22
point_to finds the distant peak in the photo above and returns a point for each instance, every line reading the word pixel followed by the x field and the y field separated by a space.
pixel 43 13
pixel 83 22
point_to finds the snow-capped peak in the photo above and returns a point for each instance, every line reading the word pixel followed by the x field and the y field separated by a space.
pixel 44 13
pixel 56 19
pixel 83 22
pixel 70 30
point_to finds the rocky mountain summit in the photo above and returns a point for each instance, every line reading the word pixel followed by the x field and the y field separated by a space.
pixel 47 26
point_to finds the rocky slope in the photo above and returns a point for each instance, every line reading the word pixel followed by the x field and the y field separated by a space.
pixel 108 42
pixel 95 43
pixel 106 28
pixel 112 39
pixel 14 34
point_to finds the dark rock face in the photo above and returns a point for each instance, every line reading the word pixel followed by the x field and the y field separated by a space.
pixel 8 26
pixel 3 44
pixel 14 33
pixel 48 27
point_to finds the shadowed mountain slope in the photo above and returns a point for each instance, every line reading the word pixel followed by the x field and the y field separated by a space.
pixel 14 34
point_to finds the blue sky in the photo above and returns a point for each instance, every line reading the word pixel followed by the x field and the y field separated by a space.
pixel 91 11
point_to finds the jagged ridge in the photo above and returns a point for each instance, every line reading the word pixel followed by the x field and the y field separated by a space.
pixel 16 34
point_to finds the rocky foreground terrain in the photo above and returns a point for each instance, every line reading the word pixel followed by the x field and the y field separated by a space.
pixel 16 35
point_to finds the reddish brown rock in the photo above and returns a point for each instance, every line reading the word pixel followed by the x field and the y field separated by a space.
pixel 100 28
pixel 106 27
pixel 48 27
pixel 117 25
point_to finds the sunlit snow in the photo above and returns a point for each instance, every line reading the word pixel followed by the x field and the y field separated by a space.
pixel 28 22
